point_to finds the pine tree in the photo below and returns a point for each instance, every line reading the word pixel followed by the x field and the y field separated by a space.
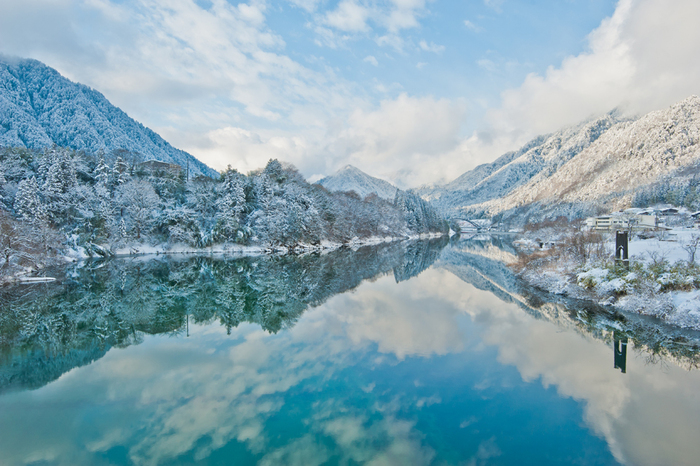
pixel 102 173
pixel 230 206
pixel 59 184
pixel 120 172
pixel 28 204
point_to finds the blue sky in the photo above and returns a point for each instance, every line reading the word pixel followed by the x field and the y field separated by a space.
pixel 413 91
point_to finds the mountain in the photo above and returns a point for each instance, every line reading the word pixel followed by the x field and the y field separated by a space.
pixel 657 151
pixel 536 160
pixel 40 108
pixel 602 165
pixel 350 178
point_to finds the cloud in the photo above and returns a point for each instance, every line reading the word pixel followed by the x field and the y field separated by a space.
pixel 431 47
pixel 638 60
pixel 472 26
pixel 371 60
pixel 494 4
pixel 401 133
pixel 349 16
pixel 362 17
pixel 308 5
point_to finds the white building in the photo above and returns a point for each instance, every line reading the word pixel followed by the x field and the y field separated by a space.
pixel 623 222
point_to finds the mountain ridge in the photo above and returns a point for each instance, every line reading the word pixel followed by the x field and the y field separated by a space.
pixel 601 164
pixel 39 108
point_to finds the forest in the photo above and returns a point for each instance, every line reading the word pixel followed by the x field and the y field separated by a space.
pixel 57 199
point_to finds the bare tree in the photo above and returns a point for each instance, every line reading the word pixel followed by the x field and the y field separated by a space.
pixel 691 246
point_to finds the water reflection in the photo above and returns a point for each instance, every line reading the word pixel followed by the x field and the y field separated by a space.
pixel 620 352
pixel 452 366
pixel 48 329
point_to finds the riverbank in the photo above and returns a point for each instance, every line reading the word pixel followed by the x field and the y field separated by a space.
pixel 91 251
pixel 663 279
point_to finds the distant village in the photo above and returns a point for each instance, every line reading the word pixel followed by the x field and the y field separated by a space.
pixel 658 218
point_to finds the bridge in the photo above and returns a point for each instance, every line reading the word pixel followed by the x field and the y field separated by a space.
pixel 477 224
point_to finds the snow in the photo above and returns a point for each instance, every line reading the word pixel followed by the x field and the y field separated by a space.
pixel 534 162
pixel 632 292
pixel 626 156
pixel 350 178
pixel 40 108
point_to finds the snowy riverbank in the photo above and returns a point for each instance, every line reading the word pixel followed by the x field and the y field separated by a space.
pixel 663 279
pixel 80 253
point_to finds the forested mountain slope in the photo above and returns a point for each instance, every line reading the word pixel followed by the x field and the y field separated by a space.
pixel 350 178
pixel 652 159
pixel 40 108
pixel 537 160
pixel 601 165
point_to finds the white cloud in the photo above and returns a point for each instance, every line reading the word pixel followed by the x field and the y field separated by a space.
pixel 387 19
pixel 494 4
pixel 431 47
pixel 472 26
pixel 349 16
pixel 639 60
pixel 308 5
pixel 371 60
pixel 404 140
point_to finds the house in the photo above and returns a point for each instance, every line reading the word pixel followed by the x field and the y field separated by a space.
pixel 156 167
pixel 623 221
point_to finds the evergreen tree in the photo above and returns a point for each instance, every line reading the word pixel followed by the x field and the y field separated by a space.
pixel 28 204
pixel 102 173
pixel 120 172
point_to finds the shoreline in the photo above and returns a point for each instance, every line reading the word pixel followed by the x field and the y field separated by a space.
pixel 75 255
pixel 660 282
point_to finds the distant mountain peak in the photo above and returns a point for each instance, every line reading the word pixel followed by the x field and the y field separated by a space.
pixel 350 178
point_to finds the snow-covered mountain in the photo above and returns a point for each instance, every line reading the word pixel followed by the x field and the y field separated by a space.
pixel 39 108
pixel 350 178
pixel 662 146
pixel 603 164
pixel 536 160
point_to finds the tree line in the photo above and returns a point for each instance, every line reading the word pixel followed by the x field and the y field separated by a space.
pixel 59 198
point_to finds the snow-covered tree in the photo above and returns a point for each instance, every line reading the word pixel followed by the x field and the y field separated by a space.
pixel 28 204
pixel 230 206
pixel 102 173
pixel 2 185
pixel 139 206
pixel 120 172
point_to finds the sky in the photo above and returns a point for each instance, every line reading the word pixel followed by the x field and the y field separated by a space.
pixel 411 91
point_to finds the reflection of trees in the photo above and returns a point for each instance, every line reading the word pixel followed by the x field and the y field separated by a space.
pixel 473 262
pixel 48 329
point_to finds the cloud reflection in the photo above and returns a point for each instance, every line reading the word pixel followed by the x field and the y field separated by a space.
pixel 181 397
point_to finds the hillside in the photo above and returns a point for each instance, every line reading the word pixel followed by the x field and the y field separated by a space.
pixel 630 158
pixel 601 165
pixel 40 108
pixel 537 160
pixel 350 178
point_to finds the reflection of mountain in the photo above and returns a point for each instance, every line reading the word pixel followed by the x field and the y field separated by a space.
pixel 475 262
pixel 472 261
pixel 49 329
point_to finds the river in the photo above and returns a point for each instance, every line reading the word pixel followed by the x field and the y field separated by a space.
pixel 410 353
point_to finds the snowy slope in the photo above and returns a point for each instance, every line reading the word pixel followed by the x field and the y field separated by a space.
pixel 39 108
pixel 537 160
pixel 630 155
pixel 350 178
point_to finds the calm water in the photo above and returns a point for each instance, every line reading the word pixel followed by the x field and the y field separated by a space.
pixel 421 353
